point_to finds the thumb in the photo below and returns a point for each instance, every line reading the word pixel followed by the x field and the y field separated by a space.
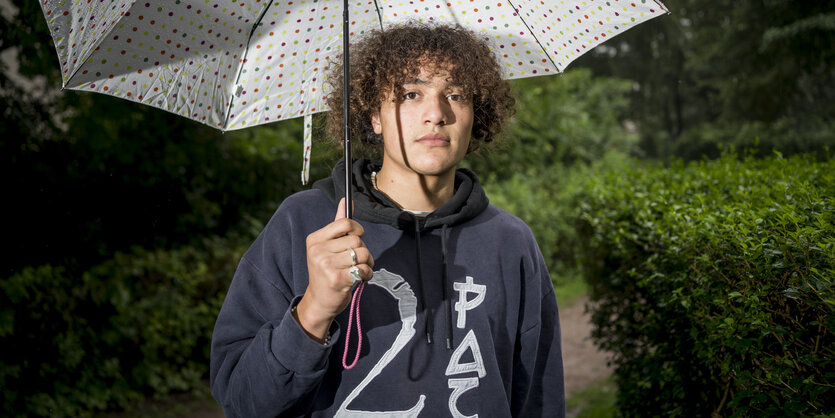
pixel 340 209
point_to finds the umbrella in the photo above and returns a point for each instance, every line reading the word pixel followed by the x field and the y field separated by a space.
pixel 233 65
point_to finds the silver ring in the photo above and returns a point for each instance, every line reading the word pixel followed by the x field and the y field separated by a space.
pixel 353 256
pixel 355 274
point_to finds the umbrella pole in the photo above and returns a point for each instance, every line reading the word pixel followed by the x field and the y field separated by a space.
pixel 346 112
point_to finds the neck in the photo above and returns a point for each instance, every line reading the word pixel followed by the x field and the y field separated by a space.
pixel 417 192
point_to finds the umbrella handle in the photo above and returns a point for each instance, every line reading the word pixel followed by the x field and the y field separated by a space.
pixel 346 112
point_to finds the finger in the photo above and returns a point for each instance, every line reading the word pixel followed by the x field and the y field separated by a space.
pixel 364 256
pixel 340 210
pixel 366 273
pixel 336 229
pixel 339 246
pixel 362 253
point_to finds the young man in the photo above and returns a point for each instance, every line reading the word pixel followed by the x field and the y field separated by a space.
pixel 458 315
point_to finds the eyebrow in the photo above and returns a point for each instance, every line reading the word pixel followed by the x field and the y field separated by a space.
pixel 417 81
pixel 422 82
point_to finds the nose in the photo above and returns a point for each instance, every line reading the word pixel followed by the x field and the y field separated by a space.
pixel 437 111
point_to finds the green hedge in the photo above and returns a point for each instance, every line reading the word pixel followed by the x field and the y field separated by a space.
pixel 543 199
pixel 137 325
pixel 712 283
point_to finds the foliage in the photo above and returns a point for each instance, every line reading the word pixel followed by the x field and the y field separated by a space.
pixel 596 401
pixel 543 199
pixel 761 138
pixel 713 284
pixel 138 324
pixel 728 63
pixel 560 120
pixel 92 174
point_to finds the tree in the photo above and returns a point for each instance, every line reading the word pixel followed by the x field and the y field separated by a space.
pixel 92 174
pixel 723 64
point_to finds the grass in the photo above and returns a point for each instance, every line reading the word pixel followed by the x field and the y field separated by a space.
pixel 569 288
pixel 196 403
pixel 596 401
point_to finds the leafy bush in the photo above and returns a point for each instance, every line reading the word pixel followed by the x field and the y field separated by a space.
pixel 713 284
pixel 543 199
pixel 148 179
pixel 138 324
pixel 565 119
pixel 786 136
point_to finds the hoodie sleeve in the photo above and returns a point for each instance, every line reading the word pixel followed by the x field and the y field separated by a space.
pixel 538 383
pixel 262 362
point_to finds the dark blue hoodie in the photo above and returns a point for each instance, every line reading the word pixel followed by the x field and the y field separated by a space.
pixel 459 320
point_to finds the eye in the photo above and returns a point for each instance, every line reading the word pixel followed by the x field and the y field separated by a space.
pixel 456 95
pixel 410 96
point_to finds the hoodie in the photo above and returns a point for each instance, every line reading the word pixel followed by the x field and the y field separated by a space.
pixel 460 318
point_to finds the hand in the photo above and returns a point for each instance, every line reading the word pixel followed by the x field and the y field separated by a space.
pixel 329 282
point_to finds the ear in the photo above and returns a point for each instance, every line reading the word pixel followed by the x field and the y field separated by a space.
pixel 375 123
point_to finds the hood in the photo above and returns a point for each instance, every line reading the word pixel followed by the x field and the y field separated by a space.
pixel 370 205
pixel 467 202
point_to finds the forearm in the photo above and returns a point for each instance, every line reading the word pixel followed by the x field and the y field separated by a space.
pixel 279 369
pixel 262 362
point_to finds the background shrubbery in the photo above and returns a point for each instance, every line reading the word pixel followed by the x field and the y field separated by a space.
pixel 136 325
pixel 712 284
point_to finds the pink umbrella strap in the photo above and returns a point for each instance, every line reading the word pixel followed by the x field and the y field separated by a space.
pixel 355 307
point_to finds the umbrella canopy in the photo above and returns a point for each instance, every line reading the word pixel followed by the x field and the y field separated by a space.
pixel 233 65
pixel 250 62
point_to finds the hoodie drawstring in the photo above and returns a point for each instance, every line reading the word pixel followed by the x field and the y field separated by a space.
pixel 427 317
pixel 445 284
pixel 426 312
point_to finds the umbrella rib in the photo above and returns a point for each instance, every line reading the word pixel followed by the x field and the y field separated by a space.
pixel 379 16
pixel 662 6
pixel 90 52
pixel 534 36
pixel 243 61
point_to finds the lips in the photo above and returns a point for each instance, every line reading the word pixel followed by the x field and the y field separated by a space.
pixel 434 139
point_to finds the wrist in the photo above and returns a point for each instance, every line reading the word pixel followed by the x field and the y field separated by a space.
pixel 317 327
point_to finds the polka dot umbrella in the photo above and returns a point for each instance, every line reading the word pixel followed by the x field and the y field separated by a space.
pixel 233 65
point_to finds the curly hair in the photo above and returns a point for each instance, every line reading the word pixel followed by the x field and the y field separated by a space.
pixel 383 60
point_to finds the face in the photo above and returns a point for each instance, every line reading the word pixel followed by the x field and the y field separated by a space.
pixel 427 130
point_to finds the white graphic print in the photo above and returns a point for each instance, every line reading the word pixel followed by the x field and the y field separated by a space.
pixel 407 305
pixel 456 367
pixel 463 305
pixel 459 386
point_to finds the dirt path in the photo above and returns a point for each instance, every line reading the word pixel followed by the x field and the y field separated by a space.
pixel 584 364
